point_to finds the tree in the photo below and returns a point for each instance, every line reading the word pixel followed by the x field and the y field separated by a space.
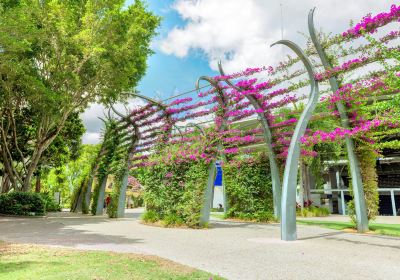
pixel 67 177
pixel 65 147
pixel 56 57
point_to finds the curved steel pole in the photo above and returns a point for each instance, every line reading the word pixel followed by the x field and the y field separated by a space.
pixel 209 194
pixel 124 182
pixel 356 179
pixel 134 143
pixel 163 107
pixel 288 220
pixel 274 169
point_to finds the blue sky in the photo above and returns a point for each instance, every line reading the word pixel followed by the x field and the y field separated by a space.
pixel 168 74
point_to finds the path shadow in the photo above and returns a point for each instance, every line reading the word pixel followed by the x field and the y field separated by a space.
pixel 238 224
pixel 322 235
pixel 70 231
pixel 358 242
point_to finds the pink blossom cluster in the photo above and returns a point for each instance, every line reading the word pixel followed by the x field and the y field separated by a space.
pixel 288 122
pixel 362 89
pixel 236 113
pixel 190 107
pixel 181 100
pixel 139 110
pixel 268 105
pixel 247 72
pixel 195 115
pixel 371 23
pixel 348 65
pixel 153 129
pixel 338 133
pixel 392 35
pixel 248 139
pixel 276 93
pixel 153 120
pixel 231 150
pixel 206 93
pixel 146 113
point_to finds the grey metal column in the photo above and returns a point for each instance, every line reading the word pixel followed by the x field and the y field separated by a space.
pixel 135 141
pixel 122 195
pixel 356 180
pixel 393 203
pixel 100 199
pixel 274 169
pixel 223 103
pixel 205 211
pixel 78 205
pixel 288 220
pixel 343 202
pixel 89 191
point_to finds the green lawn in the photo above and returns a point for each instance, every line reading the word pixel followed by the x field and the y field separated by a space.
pixel 386 229
pixel 34 262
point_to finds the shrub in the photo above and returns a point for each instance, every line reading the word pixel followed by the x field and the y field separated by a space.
pixel 174 192
pixel 249 189
pixel 50 204
pixel 313 211
pixel 173 220
pixel 150 216
pixel 138 201
pixel 22 203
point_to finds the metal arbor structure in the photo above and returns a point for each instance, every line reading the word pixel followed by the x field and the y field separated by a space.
pixel 231 100
pixel 359 200
pixel 275 177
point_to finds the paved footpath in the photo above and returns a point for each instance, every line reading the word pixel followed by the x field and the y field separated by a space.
pixel 234 250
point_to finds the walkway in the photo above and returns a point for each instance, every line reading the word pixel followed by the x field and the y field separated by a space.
pixel 234 250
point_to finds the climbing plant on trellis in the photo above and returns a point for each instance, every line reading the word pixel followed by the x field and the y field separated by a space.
pixel 200 127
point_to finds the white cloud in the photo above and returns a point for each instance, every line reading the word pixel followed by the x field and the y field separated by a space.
pixel 239 32
pixel 93 124
pixel 91 138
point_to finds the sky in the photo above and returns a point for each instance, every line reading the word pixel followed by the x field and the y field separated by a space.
pixel 195 34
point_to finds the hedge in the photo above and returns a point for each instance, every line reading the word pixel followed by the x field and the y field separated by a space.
pixel 22 203
pixel 249 188
pixel 174 193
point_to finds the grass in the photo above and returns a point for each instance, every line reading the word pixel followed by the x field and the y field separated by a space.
pixel 36 262
pixel 386 229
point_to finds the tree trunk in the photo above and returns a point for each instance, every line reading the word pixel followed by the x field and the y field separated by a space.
pixel 6 184
pixel 38 185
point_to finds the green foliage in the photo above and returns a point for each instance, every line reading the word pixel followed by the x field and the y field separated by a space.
pixel 56 58
pixel 110 143
pixel 249 189
pixel 172 219
pixel 367 158
pixel 70 176
pixel 138 201
pixel 22 203
pixel 150 216
pixel 51 205
pixel 174 193
pixel 312 211
pixel 259 216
